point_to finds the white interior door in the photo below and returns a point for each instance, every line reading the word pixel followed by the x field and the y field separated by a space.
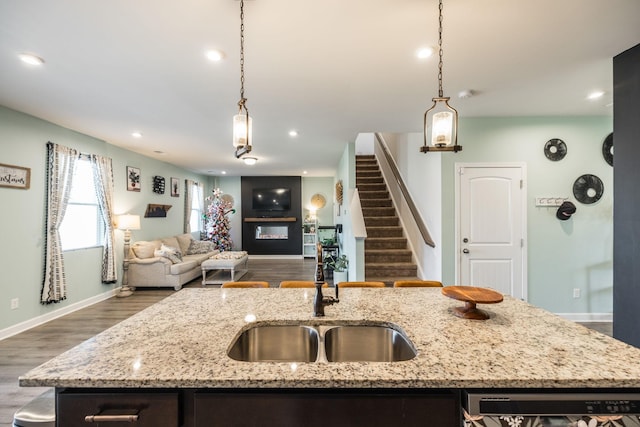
pixel 491 228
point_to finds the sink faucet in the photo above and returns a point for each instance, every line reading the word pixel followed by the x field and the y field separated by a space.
pixel 319 300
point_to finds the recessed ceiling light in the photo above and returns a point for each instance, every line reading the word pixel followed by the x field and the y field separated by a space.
pixel 214 55
pixel 293 133
pixel 223 172
pixel 425 52
pixel 596 94
pixel 250 160
pixel 304 172
pixel 136 135
pixel 31 59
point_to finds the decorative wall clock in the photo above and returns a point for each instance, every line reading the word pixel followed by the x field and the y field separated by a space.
pixel 158 185
pixel 555 149
pixel 588 189
pixel 607 149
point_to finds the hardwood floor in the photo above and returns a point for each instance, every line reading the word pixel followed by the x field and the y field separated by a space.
pixel 24 351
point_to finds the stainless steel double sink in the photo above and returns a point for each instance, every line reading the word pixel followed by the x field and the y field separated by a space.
pixel 322 343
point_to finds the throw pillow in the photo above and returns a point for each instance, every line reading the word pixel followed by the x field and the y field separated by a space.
pixel 143 250
pixel 200 247
pixel 170 241
pixel 184 240
pixel 172 254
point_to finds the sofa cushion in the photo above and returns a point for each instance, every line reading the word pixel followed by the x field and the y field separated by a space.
pixel 170 252
pixel 143 249
pixel 198 258
pixel 183 267
pixel 200 247
pixel 171 241
pixel 184 240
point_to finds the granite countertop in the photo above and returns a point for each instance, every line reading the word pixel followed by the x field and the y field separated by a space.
pixel 182 342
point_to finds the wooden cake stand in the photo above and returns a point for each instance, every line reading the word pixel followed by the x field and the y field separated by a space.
pixel 472 295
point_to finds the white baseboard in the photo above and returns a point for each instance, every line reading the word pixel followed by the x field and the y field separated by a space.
pixel 587 317
pixel 275 256
pixel 39 320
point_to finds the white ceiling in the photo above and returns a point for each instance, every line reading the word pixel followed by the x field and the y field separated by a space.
pixel 329 69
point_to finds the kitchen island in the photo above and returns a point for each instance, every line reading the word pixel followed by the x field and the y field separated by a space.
pixel 177 349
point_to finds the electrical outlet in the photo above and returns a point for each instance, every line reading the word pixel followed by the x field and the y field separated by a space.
pixel 576 292
pixel 15 303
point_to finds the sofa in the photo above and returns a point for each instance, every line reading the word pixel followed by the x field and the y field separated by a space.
pixel 167 262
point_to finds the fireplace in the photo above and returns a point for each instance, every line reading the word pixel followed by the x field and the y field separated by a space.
pixel 273 228
pixel 271 232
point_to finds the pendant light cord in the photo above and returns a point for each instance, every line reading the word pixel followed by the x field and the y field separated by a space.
pixel 440 91
pixel 241 103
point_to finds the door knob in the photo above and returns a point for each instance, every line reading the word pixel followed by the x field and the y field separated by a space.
pixel 465 251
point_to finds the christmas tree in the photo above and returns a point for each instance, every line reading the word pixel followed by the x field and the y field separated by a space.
pixel 217 227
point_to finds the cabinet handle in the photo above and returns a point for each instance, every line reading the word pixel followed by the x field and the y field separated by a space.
pixel 110 418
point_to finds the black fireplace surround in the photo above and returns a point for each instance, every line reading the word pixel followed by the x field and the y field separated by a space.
pixel 273 224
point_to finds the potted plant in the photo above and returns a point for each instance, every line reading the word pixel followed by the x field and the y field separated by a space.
pixel 339 267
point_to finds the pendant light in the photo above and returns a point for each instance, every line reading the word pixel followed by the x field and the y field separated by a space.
pixel 441 120
pixel 242 126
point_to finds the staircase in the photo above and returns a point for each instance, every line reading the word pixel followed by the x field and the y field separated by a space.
pixel 386 255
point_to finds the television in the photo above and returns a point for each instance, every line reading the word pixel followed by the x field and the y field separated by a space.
pixel 271 199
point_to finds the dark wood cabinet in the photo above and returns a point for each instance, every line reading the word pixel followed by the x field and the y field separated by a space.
pixel 322 408
pixel 258 407
pixel 151 409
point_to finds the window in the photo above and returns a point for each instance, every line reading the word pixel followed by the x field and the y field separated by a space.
pixel 195 219
pixel 82 226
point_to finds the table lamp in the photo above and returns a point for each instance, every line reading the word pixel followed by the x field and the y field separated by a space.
pixel 127 223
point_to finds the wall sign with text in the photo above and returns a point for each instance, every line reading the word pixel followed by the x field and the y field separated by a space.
pixel 15 177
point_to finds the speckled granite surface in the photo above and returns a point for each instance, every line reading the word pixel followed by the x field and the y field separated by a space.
pixel 182 341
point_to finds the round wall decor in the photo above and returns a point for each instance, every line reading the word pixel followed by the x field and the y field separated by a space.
pixel 555 149
pixel 588 189
pixel 607 149
pixel 228 199
pixel 318 201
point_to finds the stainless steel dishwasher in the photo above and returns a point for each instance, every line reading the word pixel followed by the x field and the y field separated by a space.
pixel 550 409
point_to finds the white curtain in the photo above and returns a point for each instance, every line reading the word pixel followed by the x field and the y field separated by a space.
pixel 103 176
pixel 193 190
pixel 60 166
pixel 188 199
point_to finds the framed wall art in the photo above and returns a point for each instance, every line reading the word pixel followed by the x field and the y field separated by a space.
pixel 133 179
pixel 175 187
pixel 158 184
pixel 15 177
pixel 156 211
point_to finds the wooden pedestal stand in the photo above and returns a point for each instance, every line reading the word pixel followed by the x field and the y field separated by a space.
pixel 471 296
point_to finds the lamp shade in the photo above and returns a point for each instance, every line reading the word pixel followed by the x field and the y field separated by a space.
pixel 441 122
pixel 128 222
pixel 241 128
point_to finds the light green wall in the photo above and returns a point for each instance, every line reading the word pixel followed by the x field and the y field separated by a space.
pixel 320 185
pixel 563 255
pixel 23 141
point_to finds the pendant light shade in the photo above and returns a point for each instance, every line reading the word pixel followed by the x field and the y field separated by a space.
pixel 441 127
pixel 441 120
pixel 242 130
